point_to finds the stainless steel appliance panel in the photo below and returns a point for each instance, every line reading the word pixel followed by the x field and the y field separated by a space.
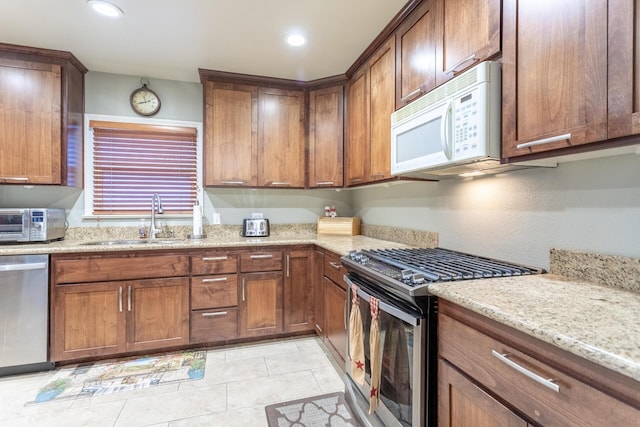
pixel 24 309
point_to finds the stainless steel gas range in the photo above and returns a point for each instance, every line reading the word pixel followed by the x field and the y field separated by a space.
pixel 395 383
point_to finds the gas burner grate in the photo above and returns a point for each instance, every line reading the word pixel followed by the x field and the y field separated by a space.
pixel 441 265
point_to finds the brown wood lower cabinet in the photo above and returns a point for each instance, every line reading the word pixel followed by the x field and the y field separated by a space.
pixel 214 296
pixel 298 291
pixel 98 319
pixel 490 374
pixel 94 317
pixel 463 403
pixel 335 325
pixel 260 304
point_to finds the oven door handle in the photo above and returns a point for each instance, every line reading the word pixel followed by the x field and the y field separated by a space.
pixel 383 306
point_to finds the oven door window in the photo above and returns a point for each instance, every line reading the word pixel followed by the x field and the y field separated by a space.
pixel 396 379
pixel 11 223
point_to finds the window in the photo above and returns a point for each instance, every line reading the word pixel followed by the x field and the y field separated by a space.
pixel 131 161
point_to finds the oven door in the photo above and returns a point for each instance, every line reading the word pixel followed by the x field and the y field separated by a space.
pixel 14 225
pixel 402 374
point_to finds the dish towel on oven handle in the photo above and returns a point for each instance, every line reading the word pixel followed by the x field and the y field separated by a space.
pixel 374 349
pixel 356 339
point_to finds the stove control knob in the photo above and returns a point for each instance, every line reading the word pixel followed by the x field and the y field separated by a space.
pixel 353 255
pixel 417 279
pixel 363 259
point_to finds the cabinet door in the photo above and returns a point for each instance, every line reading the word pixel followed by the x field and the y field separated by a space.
pixel 358 145
pixel 335 310
pixel 231 135
pixel 30 122
pixel 326 137
pixel 623 65
pixel 281 138
pixel 470 34
pixel 298 291
pixel 87 320
pixel 416 46
pixel 260 304
pixel 382 104
pixel 157 313
pixel 554 75
pixel 318 292
pixel 462 403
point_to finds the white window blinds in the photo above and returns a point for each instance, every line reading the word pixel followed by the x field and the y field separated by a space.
pixel 133 161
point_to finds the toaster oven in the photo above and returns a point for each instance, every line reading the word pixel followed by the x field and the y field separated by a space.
pixel 31 225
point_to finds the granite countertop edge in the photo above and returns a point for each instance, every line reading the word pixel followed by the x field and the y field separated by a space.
pixel 338 244
pixel 588 320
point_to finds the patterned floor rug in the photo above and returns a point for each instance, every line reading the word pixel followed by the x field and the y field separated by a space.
pixel 91 379
pixel 329 410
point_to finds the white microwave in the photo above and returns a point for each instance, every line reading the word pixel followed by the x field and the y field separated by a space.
pixel 452 129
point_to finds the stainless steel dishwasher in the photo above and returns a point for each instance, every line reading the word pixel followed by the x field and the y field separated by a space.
pixel 24 313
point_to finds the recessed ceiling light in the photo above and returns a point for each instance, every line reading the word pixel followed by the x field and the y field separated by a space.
pixel 105 8
pixel 295 39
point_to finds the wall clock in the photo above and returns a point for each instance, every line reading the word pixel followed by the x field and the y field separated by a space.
pixel 144 101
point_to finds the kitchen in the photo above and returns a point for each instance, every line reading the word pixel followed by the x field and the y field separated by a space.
pixel 587 205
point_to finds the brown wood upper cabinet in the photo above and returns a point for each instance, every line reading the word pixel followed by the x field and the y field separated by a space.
pixel 554 75
pixel 231 134
pixel 371 100
pixel 41 116
pixel 624 68
pixel 281 138
pixel 470 31
pixel 326 137
pixel 417 42
pixel 254 135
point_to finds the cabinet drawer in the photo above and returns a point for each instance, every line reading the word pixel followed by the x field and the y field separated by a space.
pixel 490 362
pixel 214 291
pixel 214 325
pixel 334 270
pixel 107 268
pixel 214 263
pixel 261 261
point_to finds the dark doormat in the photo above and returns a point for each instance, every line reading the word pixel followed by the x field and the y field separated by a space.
pixel 328 410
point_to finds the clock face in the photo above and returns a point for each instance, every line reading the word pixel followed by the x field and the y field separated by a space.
pixel 144 101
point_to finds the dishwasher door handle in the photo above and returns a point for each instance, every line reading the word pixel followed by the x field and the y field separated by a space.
pixel 23 267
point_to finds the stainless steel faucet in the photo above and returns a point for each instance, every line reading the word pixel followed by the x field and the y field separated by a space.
pixel 156 204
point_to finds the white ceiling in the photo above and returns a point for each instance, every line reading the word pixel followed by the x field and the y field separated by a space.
pixel 171 39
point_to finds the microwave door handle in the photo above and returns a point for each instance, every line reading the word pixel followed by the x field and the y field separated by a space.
pixel 445 130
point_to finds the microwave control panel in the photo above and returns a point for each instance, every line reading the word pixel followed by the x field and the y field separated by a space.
pixel 468 118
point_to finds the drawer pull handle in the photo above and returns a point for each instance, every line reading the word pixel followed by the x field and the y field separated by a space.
pixel 219 313
pixel 335 265
pixel 233 182
pixel 14 178
pixel 325 183
pixel 217 279
pixel 547 382
pixel 566 136
pixel 261 256
pixel 215 258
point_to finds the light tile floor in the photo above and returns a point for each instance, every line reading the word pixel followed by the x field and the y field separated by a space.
pixel 239 382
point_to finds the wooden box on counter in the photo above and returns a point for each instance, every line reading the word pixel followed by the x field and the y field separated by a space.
pixel 347 226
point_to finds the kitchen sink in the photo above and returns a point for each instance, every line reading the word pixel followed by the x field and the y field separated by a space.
pixel 132 242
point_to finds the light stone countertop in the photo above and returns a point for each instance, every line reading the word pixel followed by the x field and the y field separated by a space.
pixel 337 244
pixel 596 322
